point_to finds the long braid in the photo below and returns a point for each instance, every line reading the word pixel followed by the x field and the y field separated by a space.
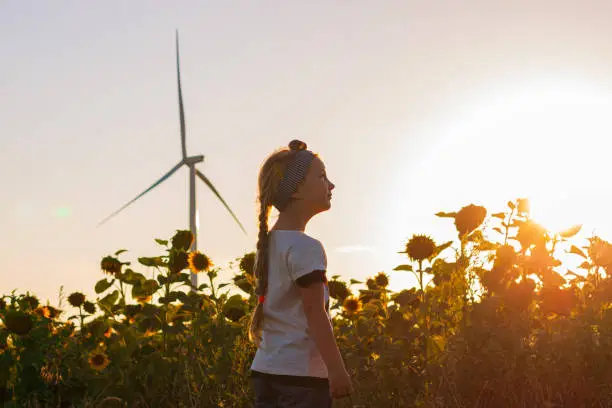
pixel 261 271
pixel 269 178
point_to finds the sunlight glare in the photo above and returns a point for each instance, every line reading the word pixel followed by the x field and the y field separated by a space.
pixel 547 141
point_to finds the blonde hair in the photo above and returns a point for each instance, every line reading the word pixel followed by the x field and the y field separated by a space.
pixel 270 175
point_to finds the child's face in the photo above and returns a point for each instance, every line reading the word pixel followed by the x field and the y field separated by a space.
pixel 315 190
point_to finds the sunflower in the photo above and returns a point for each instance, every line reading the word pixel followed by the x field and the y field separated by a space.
pixel 18 322
pixel 110 265
pixel 505 256
pixel 530 233
pixel 53 312
pixel 247 263
pixel 177 261
pixel 89 307
pixel 43 311
pixel 351 306
pixel 469 218
pixel 76 299
pixel 420 247
pixel 198 262
pixel 523 206
pixel 600 251
pixel 338 290
pixel 98 360
pixel 182 240
pixel 382 279
pixel 32 301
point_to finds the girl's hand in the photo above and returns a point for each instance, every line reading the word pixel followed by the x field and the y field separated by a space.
pixel 340 384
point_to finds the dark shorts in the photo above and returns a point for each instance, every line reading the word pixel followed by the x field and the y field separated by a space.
pixel 279 391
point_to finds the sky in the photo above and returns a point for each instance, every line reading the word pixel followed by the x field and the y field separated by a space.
pixel 415 107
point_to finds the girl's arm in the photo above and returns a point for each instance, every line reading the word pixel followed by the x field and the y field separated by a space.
pixel 320 329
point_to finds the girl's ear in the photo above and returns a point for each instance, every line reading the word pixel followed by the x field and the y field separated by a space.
pixel 298 195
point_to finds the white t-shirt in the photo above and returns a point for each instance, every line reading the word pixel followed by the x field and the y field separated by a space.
pixel 287 347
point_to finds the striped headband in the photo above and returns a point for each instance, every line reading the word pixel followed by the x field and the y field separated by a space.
pixel 295 173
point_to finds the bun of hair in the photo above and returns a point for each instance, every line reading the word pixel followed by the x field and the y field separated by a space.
pixel 297 145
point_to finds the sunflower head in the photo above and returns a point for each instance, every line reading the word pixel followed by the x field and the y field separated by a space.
pixel 89 307
pixel 338 290
pixel 18 322
pixel 469 218
pixel 48 312
pixel 247 263
pixel 600 251
pixel 351 306
pixel 381 279
pixel 530 233
pixel 420 248
pixel 76 299
pixel 407 298
pixel 31 301
pixel 53 312
pixel 244 282
pixel 98 360
pixel 235 308
pixel 505 256
pixel 182 240
pixel 198 262
pixel 177 261
pixel 43 311
pixel 371 284
pixel 110 265
pixel 523 206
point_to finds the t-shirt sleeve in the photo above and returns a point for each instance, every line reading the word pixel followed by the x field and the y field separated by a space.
pixel 305 258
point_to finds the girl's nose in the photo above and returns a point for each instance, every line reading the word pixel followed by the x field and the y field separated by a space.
pixel 331 186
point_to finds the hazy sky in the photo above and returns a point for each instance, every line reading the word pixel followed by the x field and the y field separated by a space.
pixel 415 106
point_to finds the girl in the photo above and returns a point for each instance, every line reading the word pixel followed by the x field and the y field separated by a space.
pixel 297 363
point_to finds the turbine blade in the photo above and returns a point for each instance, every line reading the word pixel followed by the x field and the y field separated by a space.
pixel 158 182
pixel 180 95
pixel 214 190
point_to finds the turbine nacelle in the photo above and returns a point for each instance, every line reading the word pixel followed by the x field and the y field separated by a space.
pixel 193 160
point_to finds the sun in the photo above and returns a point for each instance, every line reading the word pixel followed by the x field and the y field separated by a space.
pixel 547 140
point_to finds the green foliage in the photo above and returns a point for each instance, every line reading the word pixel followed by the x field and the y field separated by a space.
pixel 496 319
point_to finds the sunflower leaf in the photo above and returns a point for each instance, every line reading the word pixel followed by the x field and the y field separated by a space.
pixel 102 285
pixel 407 268
pixel 162 242
pixel 443 214
pixel 570 232
pixel 575 250
pixel 151 261
pixel 132 277
pixel 440 248
pixel 109 300
pixel 119 252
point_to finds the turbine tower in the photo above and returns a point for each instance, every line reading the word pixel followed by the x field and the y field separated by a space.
pixel 190 162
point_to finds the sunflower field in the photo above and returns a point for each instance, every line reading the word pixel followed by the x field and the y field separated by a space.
pixel 507 314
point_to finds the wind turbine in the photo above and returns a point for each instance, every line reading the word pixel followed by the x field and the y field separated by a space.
pixel 190 162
